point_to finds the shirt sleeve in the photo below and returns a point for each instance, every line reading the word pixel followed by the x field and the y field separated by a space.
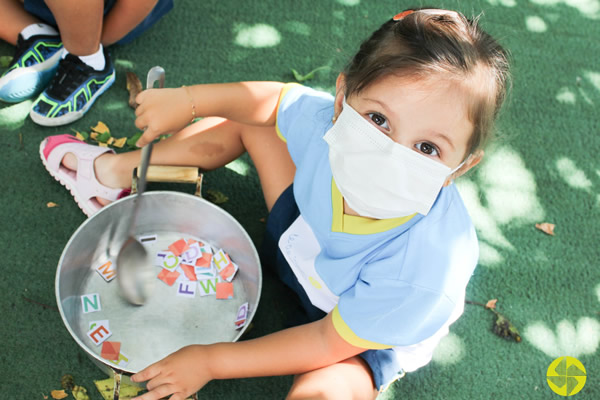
pixel 405 294
pixel 303 114
pixel 411 314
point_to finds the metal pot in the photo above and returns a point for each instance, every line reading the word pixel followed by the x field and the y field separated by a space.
pixel 166 322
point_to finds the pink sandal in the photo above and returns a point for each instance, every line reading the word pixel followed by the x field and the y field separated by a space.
pixel 82 184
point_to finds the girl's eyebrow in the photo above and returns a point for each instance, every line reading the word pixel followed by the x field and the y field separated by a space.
pixel 382 104
pixel 444 138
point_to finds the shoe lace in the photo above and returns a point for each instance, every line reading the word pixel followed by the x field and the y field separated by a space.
pixel 71 73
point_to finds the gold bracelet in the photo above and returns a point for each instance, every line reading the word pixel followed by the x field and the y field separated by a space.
pixel 192 103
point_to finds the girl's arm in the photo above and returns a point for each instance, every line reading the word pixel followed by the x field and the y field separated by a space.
pixel 123 17
pixel 162 111
pixel 291 351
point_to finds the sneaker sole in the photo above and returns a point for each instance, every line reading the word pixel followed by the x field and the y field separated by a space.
pixel 23 83
pixel 74 115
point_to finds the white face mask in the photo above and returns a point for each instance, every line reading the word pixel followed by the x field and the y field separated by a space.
pixel 378 177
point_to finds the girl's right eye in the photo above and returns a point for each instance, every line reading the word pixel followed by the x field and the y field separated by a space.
pixel 379 120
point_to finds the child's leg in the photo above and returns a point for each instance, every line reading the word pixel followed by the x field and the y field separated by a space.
pixel 210 143
pixel 14 19
pixel 80 24
pixel 349 379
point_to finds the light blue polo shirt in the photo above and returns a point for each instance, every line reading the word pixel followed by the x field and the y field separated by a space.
pixel 399 281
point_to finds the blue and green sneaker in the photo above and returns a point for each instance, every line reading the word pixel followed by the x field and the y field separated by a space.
pixel 72 91
pixel 33 65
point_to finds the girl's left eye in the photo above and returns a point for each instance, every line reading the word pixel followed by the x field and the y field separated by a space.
pixel 379 120
pixel 428 149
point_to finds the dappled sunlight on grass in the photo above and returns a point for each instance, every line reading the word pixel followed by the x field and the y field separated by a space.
pixel 297 27
pixel 509 188
pixel 502 192
pixel 568 339
pixel 488 228
pixel 572 175
pixel 256 36
pixel 505 3
pixel 535 24
pixel 488 255
pixel 124 64
pixel 594 78
pixel 587 8
pixel 14 116
pixel 239 166
pixel 450 350
pixel 349 2
pixel 115 105
pixel 566 96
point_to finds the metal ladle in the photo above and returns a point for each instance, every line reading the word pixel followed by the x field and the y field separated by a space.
pixel 134 272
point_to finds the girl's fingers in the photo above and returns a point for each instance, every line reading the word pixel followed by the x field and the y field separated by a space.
pixel 140 122
pixel 146 374
pixel 158 393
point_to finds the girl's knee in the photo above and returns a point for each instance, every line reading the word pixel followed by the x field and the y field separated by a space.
pixel 339 381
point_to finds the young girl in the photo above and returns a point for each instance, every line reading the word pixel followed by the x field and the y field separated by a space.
pixel 365 224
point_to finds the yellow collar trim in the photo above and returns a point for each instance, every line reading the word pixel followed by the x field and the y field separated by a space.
pixel 359 225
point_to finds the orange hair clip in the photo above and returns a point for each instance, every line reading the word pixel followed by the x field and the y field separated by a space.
pixel 403 14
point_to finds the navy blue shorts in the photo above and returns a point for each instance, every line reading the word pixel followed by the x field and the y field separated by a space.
pixel 383 363
pixel 41 10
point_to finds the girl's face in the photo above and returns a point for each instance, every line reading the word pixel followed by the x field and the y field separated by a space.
pixel 426 115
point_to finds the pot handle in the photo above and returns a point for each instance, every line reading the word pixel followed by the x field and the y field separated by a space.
pixel 171 174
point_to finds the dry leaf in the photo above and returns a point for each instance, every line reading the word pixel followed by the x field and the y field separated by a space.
pixel 94 135
pixel 110 141
pixel 504 328
pixel 491 303
pixel 101 128
pixel 546 227
pixel 79 136
pixel 51 204
pixel 58 394
pixel 67 382
pixel 80 393
pixel 120 142
pixel 102 144
pixel 106 387
pixel 134 86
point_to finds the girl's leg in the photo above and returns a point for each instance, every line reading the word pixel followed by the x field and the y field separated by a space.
pixel 13 19
pixel 79 23
pixel 210 143
pixel 349 379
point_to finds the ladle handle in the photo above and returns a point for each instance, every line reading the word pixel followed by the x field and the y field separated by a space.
pixel 170 174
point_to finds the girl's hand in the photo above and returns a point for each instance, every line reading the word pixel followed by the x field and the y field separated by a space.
pixel 180 374
pixel 161 111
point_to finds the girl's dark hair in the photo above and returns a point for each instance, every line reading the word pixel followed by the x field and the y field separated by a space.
pixel 441 42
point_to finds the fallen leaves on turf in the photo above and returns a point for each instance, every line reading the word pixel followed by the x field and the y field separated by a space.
pixel 216 197
pixel 502 326
pixel 51 204
pixel 58 394
pixel 107 386
pixel 546 227
pixel 491 303
pixel 5 61
pixel 101 128
pixel 134 87
pixel 301 78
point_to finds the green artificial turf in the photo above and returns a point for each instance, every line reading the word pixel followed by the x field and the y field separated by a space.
pixel 543 168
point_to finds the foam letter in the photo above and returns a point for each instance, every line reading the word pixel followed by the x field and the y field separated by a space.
pixel 107 271
pixel 99 334
pixel 91 303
